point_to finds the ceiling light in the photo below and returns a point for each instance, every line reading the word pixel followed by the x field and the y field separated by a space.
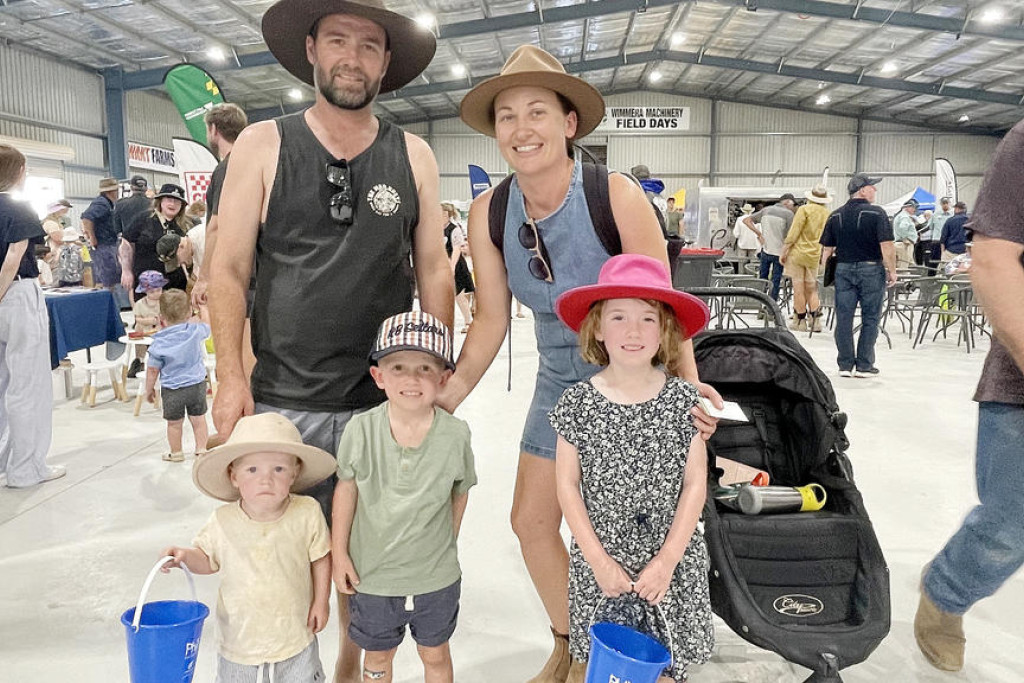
pixel 964 118
pixel 426 20
pixel 295 94
pixel 458 70
pixel 890 68
pixel 823 99
pixel 216 54
pixel 654 77
pixel 991 15
pixel 678 38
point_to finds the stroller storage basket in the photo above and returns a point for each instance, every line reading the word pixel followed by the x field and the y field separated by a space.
pixel 811 586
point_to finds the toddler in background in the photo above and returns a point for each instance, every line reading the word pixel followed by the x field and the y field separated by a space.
pixel 147 311
pixel 176 358
pixel 271 548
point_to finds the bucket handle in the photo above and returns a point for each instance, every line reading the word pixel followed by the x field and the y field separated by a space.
pixel 149 580
pixel 668 627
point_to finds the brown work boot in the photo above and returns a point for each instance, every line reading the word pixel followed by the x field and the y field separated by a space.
pixel 940 635
pixel 577 672
pixel 557 667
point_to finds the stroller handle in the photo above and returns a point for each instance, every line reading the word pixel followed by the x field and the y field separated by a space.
pixel 661 613
pixel 149 581
pixel 733 292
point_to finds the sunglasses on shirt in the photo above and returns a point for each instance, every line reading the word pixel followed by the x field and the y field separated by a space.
pixel 540 264
pixel 342 205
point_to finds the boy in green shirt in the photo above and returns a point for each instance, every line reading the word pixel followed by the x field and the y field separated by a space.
pixel 405 469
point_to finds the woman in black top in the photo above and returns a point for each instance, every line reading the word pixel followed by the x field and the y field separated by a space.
pixel 168 216
pixel 456 256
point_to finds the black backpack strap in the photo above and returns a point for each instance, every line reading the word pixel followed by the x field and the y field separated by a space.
pixel 496 213
pixel 599 204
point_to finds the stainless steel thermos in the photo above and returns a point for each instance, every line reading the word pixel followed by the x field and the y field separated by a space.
pixel 756 500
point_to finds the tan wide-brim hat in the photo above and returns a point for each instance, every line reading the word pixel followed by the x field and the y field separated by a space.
pixel 531 66
pixel 265 433
pixel 108 184
pixel 818 194
pixel 287 23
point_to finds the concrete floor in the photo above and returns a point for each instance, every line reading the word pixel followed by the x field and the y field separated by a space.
pixel 75 551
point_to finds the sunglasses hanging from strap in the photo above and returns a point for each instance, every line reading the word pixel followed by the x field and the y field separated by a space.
pixel 342 203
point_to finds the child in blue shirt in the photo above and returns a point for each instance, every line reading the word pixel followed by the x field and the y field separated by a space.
pixel 176 357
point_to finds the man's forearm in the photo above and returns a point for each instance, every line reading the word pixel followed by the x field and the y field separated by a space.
pixel 998 279
pixel 227 312
pixel 87 228
pixel 126 255
pixel 889 256
pixel 437 293
pixel 211 243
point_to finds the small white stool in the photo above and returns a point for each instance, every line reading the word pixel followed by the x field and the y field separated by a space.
pixel 92 370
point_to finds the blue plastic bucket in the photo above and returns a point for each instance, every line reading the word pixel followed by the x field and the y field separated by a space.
pixel 163 637
pixel 621 655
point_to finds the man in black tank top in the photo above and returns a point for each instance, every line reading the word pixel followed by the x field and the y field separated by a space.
pixel 339 209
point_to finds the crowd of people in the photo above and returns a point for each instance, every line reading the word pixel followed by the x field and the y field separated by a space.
pixel 334 411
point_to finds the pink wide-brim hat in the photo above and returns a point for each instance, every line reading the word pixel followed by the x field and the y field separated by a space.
pixel 633 276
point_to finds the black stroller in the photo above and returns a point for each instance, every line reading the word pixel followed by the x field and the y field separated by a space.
pixel 811 586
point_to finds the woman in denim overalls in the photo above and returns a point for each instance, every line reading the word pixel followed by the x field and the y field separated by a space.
pixel 535 110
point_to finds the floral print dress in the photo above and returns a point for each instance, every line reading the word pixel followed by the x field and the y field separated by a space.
pixel 632 458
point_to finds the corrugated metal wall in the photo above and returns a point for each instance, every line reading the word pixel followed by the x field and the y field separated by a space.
pixel 750 146
pixel 152 119
pixel 48 101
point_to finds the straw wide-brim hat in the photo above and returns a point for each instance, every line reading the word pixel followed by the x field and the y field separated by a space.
pixel 108 184
pixel 268 432
pixel 633 276
pixel 287 23
pixel 818 194
pixel 531 66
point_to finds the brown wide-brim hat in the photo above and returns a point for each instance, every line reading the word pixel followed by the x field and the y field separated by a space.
pixel 287 23
pixel 267 432
pixel 531 66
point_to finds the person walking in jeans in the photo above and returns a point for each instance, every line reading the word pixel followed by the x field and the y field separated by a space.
pixel 771 225
pixel 989 547
pixel 860 235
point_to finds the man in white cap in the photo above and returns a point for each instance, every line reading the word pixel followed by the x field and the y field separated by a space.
pixel 333 201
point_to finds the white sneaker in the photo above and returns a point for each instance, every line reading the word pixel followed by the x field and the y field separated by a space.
pixel 52 472
pixel 846 373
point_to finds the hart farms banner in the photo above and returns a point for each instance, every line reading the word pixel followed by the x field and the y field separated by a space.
pixel 645 120
pixel 194 93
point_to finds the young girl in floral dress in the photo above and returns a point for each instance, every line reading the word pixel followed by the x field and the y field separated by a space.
pixel 631 469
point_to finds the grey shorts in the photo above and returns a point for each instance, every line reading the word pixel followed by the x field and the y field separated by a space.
pixel 378 622
pixel 178 402
pixel 322 430
pixel 304 667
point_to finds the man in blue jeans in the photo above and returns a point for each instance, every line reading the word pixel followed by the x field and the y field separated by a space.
pixel 860 235
pixel 989 546
pixel 774 221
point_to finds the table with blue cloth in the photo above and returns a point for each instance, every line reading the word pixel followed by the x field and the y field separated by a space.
pixel 80 319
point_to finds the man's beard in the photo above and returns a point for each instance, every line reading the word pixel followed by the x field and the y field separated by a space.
pixel 340 97
pixel 215 148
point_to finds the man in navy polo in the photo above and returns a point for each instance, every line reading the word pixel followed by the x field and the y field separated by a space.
pixel 861 236
pixel 102 234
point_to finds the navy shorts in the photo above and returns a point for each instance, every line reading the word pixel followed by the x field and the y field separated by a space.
pixel 378 622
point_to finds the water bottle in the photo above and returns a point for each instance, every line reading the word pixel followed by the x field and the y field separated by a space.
pixel 755 500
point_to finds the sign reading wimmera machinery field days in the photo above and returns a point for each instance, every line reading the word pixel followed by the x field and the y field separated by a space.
pixel 645 120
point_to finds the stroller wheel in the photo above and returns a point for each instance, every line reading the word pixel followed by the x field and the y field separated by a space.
pixel 830 672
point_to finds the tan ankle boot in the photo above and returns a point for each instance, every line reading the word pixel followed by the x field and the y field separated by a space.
pixel 940 635
pixel 557 667
pixel 577 672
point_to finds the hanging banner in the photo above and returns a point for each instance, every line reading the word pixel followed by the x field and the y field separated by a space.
pixel 644 120
pixel 478 180
pixel 151 158
pixel 195 168
pixel 945 180
pixel 194 93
